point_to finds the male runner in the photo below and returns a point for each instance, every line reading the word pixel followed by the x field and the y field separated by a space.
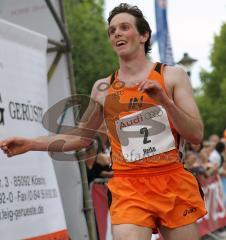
pixel 148 108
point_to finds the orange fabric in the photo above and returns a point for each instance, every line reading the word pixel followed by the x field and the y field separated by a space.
pixel 60 235
pixel 115 107
pixel 170 199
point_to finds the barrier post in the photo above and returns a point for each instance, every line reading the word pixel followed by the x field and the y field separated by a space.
pixel 88 202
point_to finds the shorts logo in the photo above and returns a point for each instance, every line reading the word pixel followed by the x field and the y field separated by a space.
pixel 189 210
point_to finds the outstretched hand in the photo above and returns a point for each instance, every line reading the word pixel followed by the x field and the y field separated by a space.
pixel 15 145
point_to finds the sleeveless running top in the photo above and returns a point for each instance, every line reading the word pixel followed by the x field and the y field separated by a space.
pixel 141 135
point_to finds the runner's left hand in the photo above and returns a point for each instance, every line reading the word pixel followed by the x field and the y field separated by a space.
pixel 153 89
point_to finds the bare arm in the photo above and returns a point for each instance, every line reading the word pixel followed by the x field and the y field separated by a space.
pixel 182 108
pixel 75 140
pixel 179 103
pixel 78 138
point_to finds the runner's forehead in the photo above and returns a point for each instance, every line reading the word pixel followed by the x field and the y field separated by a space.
pixel 122 18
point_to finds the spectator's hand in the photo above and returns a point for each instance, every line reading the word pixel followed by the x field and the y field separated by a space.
pixel 211 169
pixel 107 174
pixel 15 145
pixel 104 160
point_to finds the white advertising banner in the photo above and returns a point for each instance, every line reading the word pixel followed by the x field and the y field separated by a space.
pixel 30 203
pixel 36 16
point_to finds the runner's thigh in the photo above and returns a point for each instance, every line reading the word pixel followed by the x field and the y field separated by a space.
pixel 187 232
pixel 130 232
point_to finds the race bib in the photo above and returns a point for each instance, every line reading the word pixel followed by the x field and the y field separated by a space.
pixel 145 133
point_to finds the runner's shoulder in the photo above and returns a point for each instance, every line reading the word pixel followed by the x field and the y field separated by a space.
pixel 100 89
pixel 174 75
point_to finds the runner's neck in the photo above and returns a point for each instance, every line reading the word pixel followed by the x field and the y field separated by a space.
pixel 134 72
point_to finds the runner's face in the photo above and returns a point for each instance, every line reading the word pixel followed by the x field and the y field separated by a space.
pixel 124 36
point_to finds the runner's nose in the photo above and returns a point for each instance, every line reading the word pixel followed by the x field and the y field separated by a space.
pixel 117 32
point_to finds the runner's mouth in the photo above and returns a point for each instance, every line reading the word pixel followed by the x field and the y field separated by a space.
pixel 120 43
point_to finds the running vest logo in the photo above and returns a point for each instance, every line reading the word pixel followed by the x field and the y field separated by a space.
pixel 189 211
pixel 134 103
pixel 117 94
pixel 1 113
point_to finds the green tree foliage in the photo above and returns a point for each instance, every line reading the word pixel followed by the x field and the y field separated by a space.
pixel 212 102
pixel 93 57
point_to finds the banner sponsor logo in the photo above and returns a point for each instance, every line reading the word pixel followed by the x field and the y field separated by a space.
pixel 25 111
pixel 29 194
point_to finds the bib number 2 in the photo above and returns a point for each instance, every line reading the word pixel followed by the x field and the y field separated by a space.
pixel 144 133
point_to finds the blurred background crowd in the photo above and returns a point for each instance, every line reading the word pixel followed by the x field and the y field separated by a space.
pixel 208 158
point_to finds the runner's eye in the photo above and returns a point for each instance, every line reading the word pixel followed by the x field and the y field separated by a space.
pixel 111 31
pixel 124 27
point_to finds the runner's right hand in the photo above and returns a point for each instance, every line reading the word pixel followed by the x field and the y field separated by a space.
pixel 15 145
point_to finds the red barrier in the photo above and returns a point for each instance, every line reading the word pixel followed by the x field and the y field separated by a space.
pixel 100 203
pixel 214 199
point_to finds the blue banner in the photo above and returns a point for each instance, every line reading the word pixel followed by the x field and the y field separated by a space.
pixel 162 34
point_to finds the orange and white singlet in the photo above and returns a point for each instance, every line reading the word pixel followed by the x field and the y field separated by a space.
pixel 141 135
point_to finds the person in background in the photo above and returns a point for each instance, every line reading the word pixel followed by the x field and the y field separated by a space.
pixel 216 156
pixel 213 140
pixel 222 172
pixel 193 161
pixel 98 160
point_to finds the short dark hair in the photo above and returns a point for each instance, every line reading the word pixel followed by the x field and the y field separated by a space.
pixel 220 147
pixel 141 23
